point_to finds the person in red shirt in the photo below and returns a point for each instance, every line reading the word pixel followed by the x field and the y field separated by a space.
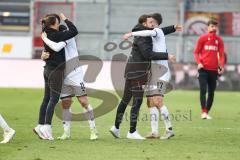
pixel 209 56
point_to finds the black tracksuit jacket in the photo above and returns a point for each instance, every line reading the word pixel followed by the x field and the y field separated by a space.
pixel 139 63
pixel 58 58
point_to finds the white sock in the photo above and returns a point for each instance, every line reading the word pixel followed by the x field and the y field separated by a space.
pixel 90 117
pixel 154 117
pixel 4 124
pixel 66 127
pixel 165 116
pixel 66 117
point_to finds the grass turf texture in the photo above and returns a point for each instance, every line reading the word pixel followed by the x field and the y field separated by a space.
pixel 195 138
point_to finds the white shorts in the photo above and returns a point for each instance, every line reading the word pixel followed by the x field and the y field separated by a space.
pixel 158 81
pixel 73 85
pixel 73 90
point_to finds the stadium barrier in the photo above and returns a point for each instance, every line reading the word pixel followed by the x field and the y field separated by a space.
pixel 29 74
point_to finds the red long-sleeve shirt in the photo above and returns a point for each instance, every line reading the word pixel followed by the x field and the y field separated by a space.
pixel 208 47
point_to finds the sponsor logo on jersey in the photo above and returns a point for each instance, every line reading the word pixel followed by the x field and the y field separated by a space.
pixel 211 48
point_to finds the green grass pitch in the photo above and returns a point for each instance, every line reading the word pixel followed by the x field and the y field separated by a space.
pixel 195 139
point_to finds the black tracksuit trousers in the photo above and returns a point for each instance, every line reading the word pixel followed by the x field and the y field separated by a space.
pixel 133 88
pixel 53 80
pixel 207 81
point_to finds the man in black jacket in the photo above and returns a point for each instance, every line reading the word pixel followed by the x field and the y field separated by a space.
pixel 136 74
pixel 53 72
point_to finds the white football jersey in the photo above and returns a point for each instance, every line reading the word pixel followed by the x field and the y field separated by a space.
pixel 75 77
pixel 159 45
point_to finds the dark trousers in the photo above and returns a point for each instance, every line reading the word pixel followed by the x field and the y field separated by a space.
pixel 53 80
pixel 133 88
pixel 207 80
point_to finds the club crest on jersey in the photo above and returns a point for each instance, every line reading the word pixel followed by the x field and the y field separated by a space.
pixel 216 41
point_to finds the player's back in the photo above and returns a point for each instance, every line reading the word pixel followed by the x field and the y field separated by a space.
pixel 159 45
pixel 74 73
pixel 71 49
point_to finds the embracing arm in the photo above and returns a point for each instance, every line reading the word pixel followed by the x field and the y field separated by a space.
pixel 145 47
pixel 68 34
pixel 53 45
pixel 145 33
pixel 168 30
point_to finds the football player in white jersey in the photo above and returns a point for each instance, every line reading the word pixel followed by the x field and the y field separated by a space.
pixel 8 132
pixel 157 85
pixel 73 86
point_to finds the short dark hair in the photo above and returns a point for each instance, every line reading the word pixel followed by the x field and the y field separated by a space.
pixel 57 16
pixel 143 18
pixel 49 19
pixel 213 22
pixel 157 17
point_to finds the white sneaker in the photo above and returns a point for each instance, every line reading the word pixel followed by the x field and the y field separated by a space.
pixel 135 135
pixel 37 131
pixel 167 135
pixel 94 134
pixel 7 136
pixel 204 115
pixel 115 132
pixel 47 132
pixel 65 136
pixel 209 117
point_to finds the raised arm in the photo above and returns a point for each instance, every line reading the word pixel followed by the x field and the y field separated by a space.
pixel 145 33
pixel 168 30
pixel 68 34
pixel 53 45
pixel 171 29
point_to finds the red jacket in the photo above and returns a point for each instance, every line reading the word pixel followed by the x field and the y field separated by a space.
pixel 206 51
